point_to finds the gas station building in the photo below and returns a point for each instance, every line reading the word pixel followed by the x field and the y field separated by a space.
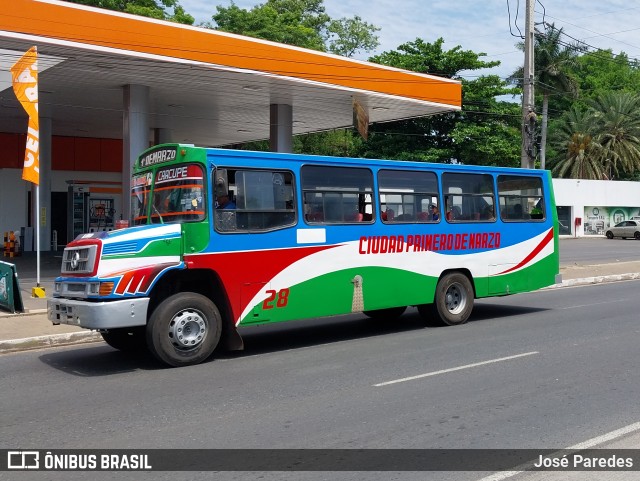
pixel 112 84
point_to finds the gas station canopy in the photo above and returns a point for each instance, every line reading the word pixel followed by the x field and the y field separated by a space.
pixel 206 87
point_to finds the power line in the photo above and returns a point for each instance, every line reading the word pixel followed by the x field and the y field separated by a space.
pixel 515 20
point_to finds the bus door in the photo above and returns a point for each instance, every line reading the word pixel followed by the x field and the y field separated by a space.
pixel 254 217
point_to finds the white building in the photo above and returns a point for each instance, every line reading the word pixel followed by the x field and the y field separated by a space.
pixel 589 207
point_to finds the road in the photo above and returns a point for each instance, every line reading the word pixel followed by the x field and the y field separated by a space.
pixel 598 250
pixel 547 369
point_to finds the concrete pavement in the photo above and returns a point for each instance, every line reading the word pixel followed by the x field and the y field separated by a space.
pixel 32 329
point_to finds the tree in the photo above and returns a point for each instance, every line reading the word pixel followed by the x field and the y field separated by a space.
pixel 160 9
pixel 430 58
pixel 578 152
pixel 485 132
pixel 347 36
pixel 336 143
pixel 293 22
pixel 601 71
pixel 552 60
pixel 618 132
pixel 600 141
pixel 303 23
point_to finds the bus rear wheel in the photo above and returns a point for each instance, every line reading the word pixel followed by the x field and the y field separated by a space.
pixel 184 329
pixel 453 301
pixel 389 314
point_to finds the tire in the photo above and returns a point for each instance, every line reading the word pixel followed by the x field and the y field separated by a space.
pixel 184 329
pixel 609 234
pixel 389 314
pixel 453 301
pixel 128 339
pixel 636 235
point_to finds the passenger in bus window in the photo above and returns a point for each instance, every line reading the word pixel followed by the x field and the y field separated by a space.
pixel 224 202
pixel 353 217
pixel 517 211
pixel 435 213
pixel 315 214
pixel 454 213
pixel 487 213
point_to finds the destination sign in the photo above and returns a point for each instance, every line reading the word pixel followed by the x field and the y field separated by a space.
pixel 162 154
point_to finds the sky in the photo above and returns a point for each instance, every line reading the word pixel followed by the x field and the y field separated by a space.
pixel 483 26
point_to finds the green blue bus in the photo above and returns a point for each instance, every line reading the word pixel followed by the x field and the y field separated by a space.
pixel 220 239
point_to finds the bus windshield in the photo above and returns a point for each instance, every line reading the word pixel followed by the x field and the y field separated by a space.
pixel 178 195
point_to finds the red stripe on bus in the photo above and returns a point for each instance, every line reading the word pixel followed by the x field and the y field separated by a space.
pixel 244 274
pixel 533 253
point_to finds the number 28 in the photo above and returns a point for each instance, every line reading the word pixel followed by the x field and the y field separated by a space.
pixel 276 299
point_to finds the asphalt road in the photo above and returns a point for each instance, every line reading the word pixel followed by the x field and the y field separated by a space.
pixel 598 250
pixel 543 370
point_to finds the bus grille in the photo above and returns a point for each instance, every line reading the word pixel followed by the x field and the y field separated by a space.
pixel 79 260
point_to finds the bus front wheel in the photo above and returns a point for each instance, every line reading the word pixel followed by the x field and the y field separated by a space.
pixel 453 301
pixel 184 329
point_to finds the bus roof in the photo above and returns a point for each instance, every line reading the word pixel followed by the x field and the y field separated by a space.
pixel 216 156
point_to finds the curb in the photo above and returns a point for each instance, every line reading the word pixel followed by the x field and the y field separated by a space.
pixel 54 340
pixel 583 281
pixel 30 312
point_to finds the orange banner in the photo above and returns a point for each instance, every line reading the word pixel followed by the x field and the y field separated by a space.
pixel 25 85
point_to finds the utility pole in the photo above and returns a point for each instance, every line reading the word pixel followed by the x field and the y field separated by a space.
pixel 527 159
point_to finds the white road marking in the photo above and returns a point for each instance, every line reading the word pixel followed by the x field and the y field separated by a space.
pixel 615 301
pixel 606 437
pixel 466 366
pixel 590 443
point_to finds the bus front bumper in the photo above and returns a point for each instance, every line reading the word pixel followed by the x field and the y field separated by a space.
pixel 98 315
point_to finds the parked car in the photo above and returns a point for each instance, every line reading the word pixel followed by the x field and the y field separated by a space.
pixel 624 229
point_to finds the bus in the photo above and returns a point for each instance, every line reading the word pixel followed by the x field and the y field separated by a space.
pixel 219 239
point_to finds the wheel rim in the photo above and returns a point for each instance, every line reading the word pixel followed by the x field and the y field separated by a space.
pixel 455 298
pixel 187 329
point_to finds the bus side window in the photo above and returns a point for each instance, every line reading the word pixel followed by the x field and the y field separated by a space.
pixel 521 198
pixel 225 220
pixel 337 195
pixel 408 196
pixel 468 197
pixel 264 201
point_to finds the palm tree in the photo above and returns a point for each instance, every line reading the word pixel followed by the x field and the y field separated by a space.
pixel 618 131
pixel 551 59
pixel 579 153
